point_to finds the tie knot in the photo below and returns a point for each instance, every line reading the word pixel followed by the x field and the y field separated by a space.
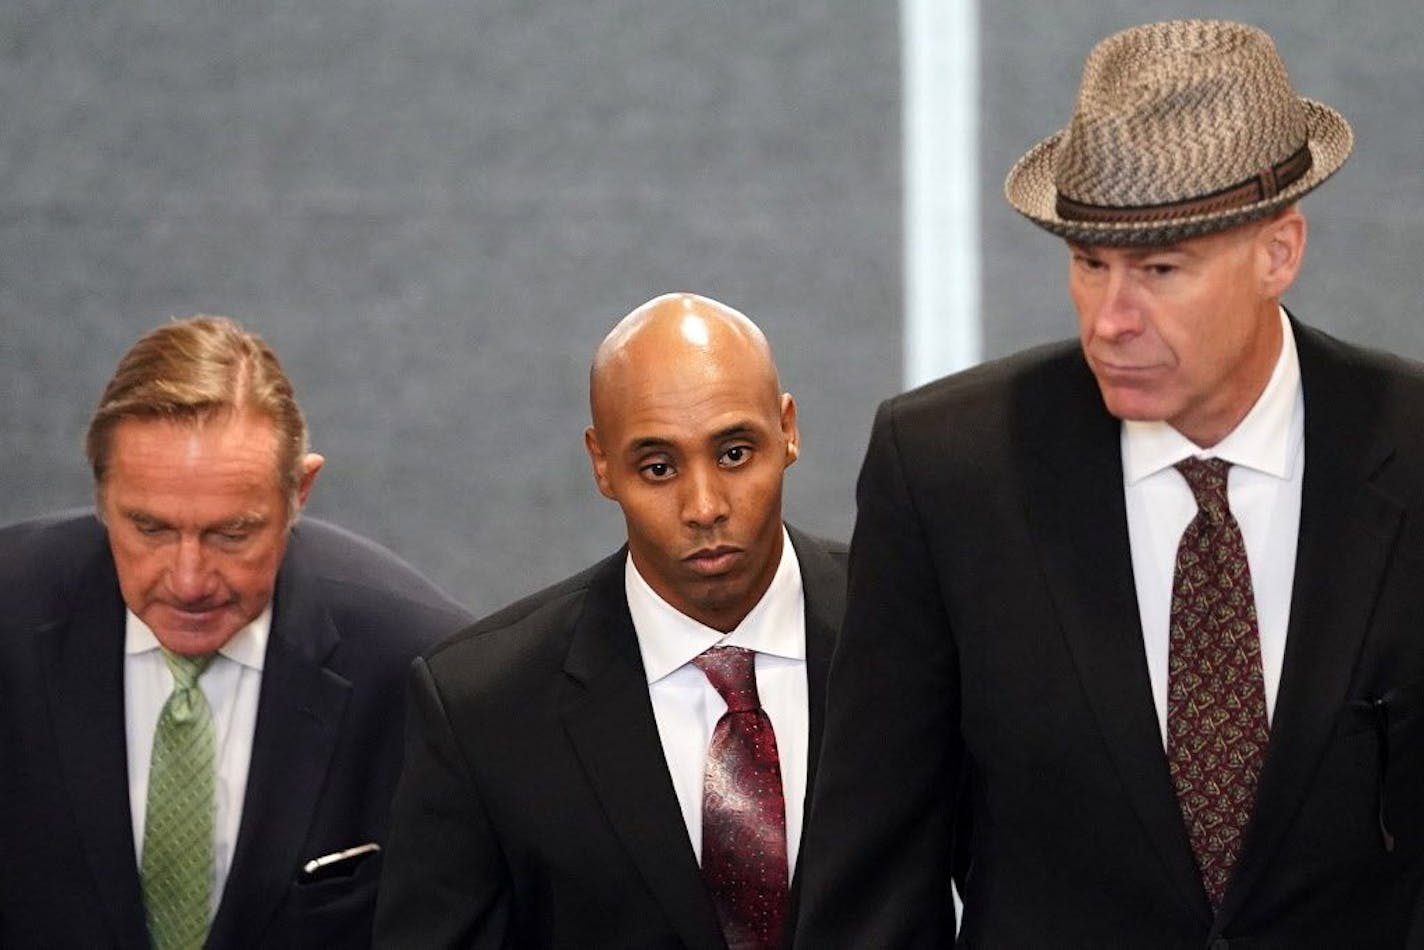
pixel 1207 480
pixel 186 669
pixel 732 673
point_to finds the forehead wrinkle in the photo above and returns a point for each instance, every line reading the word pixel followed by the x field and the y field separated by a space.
pixel 152 456
pixel 687 421
pixel 744 427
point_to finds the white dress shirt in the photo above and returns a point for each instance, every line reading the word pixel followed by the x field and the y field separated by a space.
pixel 231 684
pixel 1267 454
pixel 687 707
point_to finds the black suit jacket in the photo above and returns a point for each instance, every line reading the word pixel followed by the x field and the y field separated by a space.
pixel 347 618
pixel 536 808
pixel 992 644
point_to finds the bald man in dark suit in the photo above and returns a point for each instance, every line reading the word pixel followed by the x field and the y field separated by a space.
pixel 564 783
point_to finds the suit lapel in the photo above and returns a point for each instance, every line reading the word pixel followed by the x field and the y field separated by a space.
pixel 823 585
pixel 299 714
pixel 609 720
pixel 1079 521
pixel 84 666
pixel 1347 532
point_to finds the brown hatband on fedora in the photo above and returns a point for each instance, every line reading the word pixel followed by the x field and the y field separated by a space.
pixel 1180 129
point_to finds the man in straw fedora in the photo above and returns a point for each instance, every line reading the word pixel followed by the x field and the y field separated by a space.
pixel 1141 615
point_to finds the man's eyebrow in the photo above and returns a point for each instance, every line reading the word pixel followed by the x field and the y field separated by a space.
pixel 1136 253
pixel 736 430
pixel 241 522
pixel 648 442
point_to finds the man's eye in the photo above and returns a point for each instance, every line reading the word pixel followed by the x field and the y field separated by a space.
pixel 232 537
pixel 657 471
pixel 736 455
pixel 1161 270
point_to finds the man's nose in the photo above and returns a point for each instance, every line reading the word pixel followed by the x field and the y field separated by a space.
pixel 704 500
pixel 1118 313
pixel 190 578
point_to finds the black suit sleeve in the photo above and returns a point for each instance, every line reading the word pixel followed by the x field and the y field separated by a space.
pixel 877 851
pixel 445 882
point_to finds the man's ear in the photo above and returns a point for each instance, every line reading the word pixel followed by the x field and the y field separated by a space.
pixel 599 459
pixel 1283 240
pixel 789 432
pixel 311 467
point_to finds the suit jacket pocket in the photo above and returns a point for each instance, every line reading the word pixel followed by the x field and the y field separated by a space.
pixel 1386 733
pixel 336 911
pixel 1395 709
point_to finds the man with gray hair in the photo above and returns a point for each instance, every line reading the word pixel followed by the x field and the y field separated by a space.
pixel 1133 623
pixel 199 696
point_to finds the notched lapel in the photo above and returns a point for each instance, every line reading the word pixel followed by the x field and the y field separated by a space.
pixel 610 723
pixel 299 717
pixel 1348 528
pixel 85 669
pixel 823 584
pixel 1078 516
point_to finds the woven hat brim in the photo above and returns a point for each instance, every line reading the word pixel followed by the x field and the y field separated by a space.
pixel 1030 188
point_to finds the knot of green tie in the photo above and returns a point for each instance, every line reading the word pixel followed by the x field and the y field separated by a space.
pixel 183 705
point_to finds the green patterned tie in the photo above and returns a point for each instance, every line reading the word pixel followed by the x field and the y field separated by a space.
pixel 177 866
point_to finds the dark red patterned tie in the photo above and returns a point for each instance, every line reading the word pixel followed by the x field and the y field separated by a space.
pixel 743 810
pixel 1216 698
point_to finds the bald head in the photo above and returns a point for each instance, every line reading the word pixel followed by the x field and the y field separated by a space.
pixel 678 334
pixel 690 436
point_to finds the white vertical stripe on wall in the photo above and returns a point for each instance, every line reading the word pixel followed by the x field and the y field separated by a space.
pixel 940 56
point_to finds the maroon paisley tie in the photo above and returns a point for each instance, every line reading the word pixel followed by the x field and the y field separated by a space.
pixel 743 810
pixel 1216 698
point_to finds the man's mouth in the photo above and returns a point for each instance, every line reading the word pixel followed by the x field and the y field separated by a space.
pixel 714 560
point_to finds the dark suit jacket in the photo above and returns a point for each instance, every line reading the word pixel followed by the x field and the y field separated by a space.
pixel 536 809
pixel 347 619
pixel 992 626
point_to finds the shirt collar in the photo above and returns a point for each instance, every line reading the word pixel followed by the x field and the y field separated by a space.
pixel 248 646
pixel 1266 440
pixel 669 639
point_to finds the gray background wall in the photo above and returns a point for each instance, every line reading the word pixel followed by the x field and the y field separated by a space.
pixel 435 209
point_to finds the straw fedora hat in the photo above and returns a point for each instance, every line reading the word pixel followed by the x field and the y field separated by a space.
pixel 1180 129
